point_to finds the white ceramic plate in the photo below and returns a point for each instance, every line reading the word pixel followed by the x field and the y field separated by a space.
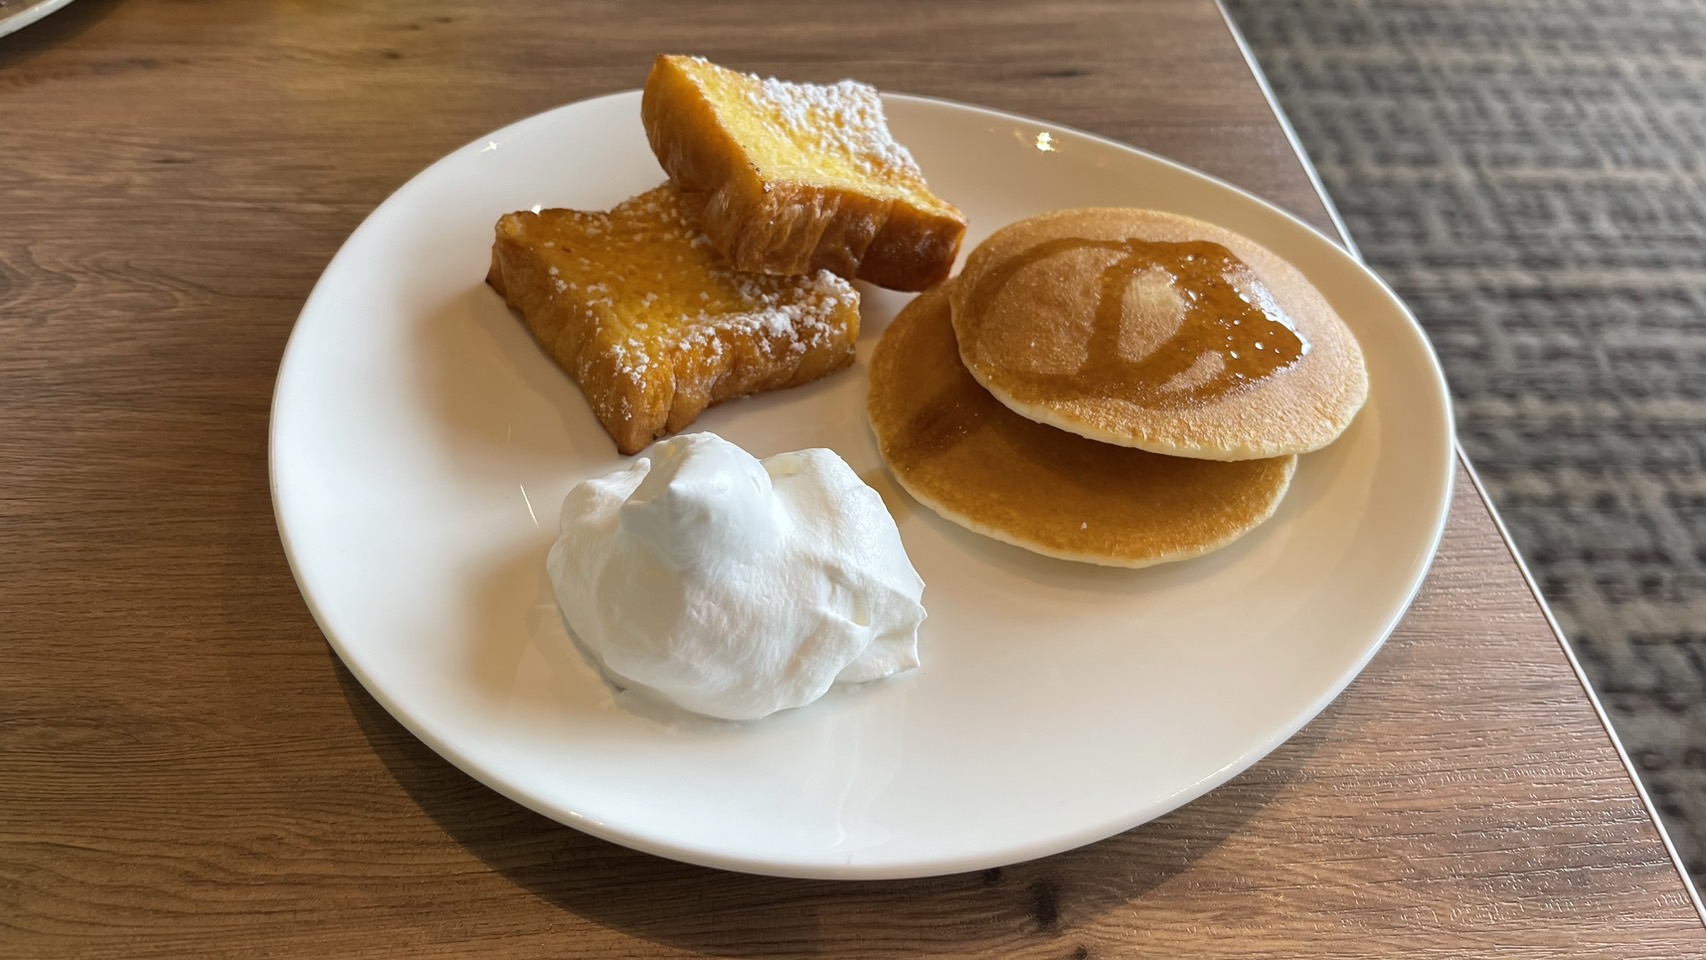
pixel 422 445
pixel 15 15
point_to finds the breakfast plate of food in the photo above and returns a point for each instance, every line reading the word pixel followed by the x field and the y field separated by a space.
pixel 792 479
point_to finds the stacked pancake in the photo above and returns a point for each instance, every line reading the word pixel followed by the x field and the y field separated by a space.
pixel 1123 387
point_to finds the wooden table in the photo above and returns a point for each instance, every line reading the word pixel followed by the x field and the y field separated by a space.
pixel 186 769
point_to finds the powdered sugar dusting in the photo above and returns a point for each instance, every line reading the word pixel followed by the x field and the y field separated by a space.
pixel 660 294
pixel 845 118
pixel 778 316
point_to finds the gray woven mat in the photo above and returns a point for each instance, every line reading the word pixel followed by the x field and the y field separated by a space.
pixel 1531 177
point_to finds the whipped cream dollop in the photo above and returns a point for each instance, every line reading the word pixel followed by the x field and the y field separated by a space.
pixel 735 587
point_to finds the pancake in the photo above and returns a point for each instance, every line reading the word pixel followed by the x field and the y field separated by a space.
pixel 1159 332
pixel 963 454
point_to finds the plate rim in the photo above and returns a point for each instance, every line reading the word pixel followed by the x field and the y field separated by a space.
pixel 821 867
pixel 11 23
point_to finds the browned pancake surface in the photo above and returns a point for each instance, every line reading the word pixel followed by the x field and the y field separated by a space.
pixel 961 452
pixel 1159 332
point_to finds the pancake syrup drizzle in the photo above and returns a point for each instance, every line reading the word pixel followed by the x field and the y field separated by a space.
pixel 1220 320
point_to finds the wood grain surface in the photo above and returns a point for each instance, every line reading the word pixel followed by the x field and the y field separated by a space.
pixel 185 768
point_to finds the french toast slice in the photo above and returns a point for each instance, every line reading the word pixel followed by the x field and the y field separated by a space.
pixel 794 177
pixel 653 324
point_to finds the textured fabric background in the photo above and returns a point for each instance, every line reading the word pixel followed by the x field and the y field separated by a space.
pixel 1531 177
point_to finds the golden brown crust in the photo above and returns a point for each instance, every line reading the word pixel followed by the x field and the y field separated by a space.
pixel 961 453
pixel 660 328
pixel 781 226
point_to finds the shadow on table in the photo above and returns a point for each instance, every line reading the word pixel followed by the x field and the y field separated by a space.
pixel 715 912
